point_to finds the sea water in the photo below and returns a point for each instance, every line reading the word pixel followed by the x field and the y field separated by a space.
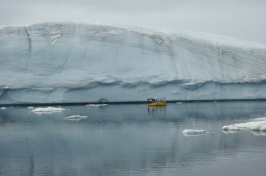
pixel 131 140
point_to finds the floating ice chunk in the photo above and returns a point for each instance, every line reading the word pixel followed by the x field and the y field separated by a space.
pixel 30 107
pixel 47 110
pixel 3 108
pixel 75 118
pixel 230 128
pixel 257 124
pixel 97 105
pixel 230 131
pixel 194 132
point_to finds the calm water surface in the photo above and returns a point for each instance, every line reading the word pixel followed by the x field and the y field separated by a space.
pixel 132 140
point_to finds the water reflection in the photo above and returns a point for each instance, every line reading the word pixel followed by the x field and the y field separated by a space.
pixel 127 140
pixel 259 133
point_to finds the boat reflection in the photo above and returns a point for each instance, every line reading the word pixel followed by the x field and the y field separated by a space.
pixel 156 109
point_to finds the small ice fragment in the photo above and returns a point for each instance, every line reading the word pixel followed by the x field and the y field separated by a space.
pixel 97 105
pixel 3 108
pixel 30 107
pixel 75 118
pixel 229 131
pixel 47 110
pixel 193 132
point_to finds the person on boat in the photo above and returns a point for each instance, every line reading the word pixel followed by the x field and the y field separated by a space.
pixel 151 100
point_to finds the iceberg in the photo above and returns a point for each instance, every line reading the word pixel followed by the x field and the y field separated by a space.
pixel 74 63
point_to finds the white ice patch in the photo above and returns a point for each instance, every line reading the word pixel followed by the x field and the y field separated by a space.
pixel 75 118
pixel 47 110
pixel 97 105
pixel 257 124
pixel 194 132
pixel 30 107
pixel 3 108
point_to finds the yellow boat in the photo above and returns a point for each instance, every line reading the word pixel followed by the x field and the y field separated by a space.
pixel 158 103
pixel 155 102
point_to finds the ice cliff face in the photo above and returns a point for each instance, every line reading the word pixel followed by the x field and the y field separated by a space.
pixel 67 62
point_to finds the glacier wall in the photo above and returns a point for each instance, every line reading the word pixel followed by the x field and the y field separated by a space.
pixel 72 63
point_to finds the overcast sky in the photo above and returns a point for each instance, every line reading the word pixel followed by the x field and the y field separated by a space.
pixel 244 19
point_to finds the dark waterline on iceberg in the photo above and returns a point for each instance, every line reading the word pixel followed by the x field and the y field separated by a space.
pixel 130 140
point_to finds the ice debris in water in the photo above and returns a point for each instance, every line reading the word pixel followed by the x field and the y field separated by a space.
pixel 3 108
pixel 194 132
pixel 30 107
pixel 75 118
pixel 257 124
pixel 47 110
pixel 97 105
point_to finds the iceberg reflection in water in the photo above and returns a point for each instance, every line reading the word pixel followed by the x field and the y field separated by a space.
pixel 132 140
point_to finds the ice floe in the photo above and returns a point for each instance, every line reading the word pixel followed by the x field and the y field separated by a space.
pixel 257 124
pixel 47 110
pixel 3 108
pixel 75 118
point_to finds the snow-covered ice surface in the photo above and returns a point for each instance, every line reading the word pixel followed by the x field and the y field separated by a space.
pixel 68 62
pixel 257 125
pixel 47 110
pixel 75 118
